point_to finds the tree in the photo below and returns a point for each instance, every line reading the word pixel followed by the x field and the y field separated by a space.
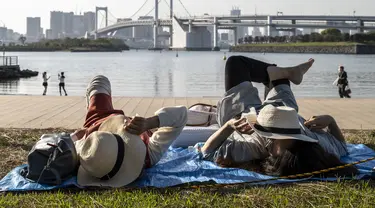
pixel 256 39
pixel 22 39
pixel 331 31
pixel 346 37
pixel 250 39
pixel 240 40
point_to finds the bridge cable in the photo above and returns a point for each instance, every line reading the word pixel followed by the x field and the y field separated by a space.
pixel 184 8
pixel 139 9
pixel 152 9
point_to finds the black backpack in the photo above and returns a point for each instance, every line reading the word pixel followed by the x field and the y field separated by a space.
pixel 52 160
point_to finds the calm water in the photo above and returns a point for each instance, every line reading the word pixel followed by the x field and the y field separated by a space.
pixel 147 73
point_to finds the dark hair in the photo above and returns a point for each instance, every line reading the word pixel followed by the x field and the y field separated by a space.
pixel 304 157
pixel 342 67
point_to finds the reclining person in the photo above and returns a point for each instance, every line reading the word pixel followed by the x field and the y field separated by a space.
pixel 279 142
pixel 114 149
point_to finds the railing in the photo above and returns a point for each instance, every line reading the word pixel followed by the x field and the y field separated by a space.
pixel 8 60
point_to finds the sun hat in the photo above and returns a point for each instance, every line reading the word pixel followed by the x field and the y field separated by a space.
pixel 110 157
pixel 279 122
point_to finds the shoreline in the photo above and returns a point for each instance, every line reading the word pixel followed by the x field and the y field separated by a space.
pixel 309 48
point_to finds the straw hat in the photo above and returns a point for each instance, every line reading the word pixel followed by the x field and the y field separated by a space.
pixel 110 157
pixel 279 123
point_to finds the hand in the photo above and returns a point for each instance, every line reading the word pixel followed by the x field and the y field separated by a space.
pixel 136 125
pixel 319 122
pixel 78 134
pixel 241 126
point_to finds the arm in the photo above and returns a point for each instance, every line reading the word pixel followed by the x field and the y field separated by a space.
pixel 334 129
pixel 217 138
pixel 325 121
pixel 240 125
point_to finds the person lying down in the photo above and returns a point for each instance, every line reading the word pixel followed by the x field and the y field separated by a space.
pixel 279 142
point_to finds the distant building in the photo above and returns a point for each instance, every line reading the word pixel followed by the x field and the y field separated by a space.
pixel 256 32
pixel 49 34
pixel 224 36
pixel 56 24
pixel 144 32
pixel 68 24
pixel 241 31
pixel 78 26
pixel 33 29
pixel 10 35
pixel 89 21
pixel 3 33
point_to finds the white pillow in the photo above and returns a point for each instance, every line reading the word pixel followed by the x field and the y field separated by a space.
pixel 193 135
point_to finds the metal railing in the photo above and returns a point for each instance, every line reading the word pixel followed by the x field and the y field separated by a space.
pixel 8 60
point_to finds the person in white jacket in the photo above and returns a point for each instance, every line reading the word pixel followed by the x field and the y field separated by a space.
pixel 114 149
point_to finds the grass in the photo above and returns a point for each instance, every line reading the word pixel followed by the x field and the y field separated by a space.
pixel 300 44
pixel 15 144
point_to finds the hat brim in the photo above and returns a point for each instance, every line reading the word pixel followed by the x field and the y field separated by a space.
pixel 133 163
pixel 270 135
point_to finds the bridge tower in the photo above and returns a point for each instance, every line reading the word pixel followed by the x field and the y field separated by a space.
pixel 156 23
pixel 97 9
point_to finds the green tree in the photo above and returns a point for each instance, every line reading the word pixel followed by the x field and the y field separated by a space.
pixel 331 31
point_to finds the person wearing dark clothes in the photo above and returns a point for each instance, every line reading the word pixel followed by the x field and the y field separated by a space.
pixel 343 83
pixel 62 83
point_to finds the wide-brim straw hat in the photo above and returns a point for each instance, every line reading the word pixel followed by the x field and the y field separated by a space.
pixel 279 123
pixel 110 157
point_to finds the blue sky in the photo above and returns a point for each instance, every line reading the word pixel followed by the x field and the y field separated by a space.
pixel 13 13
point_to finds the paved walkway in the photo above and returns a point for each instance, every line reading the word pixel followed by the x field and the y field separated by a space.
pixel 69 112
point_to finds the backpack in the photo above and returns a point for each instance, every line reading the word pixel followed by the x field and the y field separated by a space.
pixel 52 160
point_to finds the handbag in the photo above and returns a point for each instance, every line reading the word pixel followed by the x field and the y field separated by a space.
pixel 348 90
pixel 201 114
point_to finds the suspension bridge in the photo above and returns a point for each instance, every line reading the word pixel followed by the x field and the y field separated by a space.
pixel 198 31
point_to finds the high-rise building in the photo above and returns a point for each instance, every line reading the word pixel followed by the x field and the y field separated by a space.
pixel 68 24
pixel 78 26
pixel 89 21
pixel 56 24
pixel 3 33
pixel 33 29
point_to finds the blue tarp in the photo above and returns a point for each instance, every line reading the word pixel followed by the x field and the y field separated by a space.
pixel 180 166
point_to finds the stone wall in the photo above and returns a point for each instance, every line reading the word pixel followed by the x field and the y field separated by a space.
pixel 355 49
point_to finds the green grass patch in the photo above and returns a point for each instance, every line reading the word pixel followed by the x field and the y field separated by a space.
pixel 16 143
pixel 300 44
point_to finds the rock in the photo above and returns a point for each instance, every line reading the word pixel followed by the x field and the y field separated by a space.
pixel 14 72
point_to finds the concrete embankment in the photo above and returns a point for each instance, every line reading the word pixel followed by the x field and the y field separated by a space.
pixel 349 49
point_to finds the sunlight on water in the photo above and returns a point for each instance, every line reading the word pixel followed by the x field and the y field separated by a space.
pixel 192 74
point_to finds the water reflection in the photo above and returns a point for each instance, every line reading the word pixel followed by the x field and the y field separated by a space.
pixel 9 86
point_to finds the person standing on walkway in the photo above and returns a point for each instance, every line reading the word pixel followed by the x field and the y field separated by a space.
pixel 62 83
pixel 342 83
pixel 45 82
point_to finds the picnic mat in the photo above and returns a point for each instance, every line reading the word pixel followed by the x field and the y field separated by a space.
pixel 180 166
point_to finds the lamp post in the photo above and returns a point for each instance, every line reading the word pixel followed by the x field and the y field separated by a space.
pixel 279 13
